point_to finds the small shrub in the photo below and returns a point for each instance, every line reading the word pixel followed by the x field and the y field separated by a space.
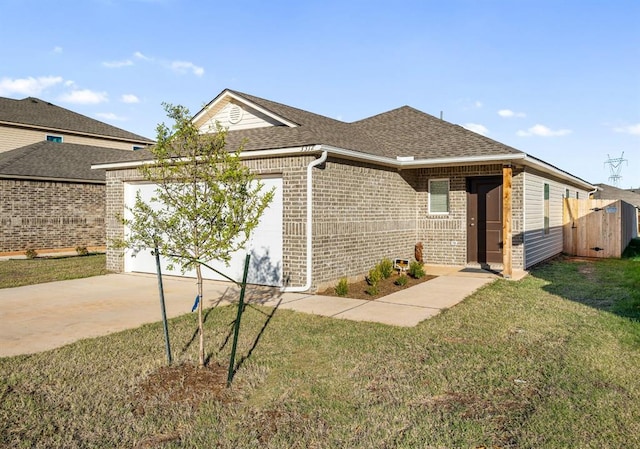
pixel 31 253
pixel 416 270
pixel 373 290
pixel 342 289
pixel 82 250
pixel 386 268
pixel 402 280
pixel 374 277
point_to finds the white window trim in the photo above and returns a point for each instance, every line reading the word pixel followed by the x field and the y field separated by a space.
pixel 54 135
pixel 448 196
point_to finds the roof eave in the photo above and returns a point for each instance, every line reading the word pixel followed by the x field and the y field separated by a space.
pixel 509 158
pixel 52 179
pixel 544 167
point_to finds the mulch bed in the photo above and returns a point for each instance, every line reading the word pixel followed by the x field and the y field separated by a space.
pixel 358 290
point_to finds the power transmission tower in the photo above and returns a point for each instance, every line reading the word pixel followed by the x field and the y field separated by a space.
pixel 615 167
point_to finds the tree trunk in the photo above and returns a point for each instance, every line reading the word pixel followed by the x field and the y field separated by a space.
pixel 200 316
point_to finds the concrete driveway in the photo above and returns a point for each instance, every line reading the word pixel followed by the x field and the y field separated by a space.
pixel 40 317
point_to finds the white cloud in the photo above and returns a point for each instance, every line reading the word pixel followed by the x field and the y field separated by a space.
pixel 141 56
pixel 476 128
pixel 478 104
pixel 543 131
pixel 508 113
pixel 27 86
pixel 117 64
pixel 69 83
pixel 57 49
pixel 84 96
pixel 109 116
pixel 129 98
pixel 630 129
pixel 185 66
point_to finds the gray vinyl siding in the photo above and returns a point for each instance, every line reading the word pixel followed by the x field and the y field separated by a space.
pixel 539 245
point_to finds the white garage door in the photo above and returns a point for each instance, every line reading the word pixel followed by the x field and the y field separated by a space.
pixel 265 245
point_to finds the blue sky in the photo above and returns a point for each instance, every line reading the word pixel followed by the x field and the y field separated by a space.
pixel 557 79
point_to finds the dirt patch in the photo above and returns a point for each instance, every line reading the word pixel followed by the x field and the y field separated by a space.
pixel 358 290
pixel 185 384
pixel 588 270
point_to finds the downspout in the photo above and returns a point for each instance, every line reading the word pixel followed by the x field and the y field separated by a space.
pixel 307 285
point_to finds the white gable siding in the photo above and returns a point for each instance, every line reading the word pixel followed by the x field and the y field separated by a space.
pixel 539 246
pixel 249 118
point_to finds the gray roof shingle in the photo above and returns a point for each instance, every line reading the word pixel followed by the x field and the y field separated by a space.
pixel 607 192
pixel 35 112
pixel 53 160
pixel 400 132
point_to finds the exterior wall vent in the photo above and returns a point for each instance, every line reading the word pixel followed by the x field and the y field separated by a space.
pixel 235 114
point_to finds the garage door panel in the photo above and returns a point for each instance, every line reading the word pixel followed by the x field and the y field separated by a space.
pixel 265 245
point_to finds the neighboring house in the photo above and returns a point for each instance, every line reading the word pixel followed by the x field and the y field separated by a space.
pixel 50 199
pixel 350 194
pixel 31 120
pixel 631 196
pixel 607 192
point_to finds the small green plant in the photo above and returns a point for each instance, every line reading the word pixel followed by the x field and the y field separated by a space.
pixel 386 268
pixel 402 280
pixel 416 270
pixel 373 290
pixel 82 250
pixel 342 289
pixel 375 276
pixel 31 253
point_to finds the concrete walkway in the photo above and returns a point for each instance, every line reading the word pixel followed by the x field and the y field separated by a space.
pixel 40 317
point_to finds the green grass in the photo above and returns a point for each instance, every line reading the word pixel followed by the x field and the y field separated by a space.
pixel 17 272
pixel 546 362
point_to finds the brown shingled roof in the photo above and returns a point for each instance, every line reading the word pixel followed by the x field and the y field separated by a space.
pixel 400 132
pixel 53 160
pixel 35 112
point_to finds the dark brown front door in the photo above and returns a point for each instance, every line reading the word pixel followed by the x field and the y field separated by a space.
pixel 484 220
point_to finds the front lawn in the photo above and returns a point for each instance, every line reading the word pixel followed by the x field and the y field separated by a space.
pixel 17 272
pixel 547 362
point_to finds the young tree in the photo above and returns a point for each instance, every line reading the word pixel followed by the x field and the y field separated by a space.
pixel 206 203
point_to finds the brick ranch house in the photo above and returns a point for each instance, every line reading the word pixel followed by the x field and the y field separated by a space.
pixel 50 199
pixel 350 194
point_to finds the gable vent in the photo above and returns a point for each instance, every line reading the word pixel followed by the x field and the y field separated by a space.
pixel 235 114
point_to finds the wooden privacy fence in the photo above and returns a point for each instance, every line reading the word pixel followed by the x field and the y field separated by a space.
pixel 598 228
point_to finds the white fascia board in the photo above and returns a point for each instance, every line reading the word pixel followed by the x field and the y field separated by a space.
pixel 521 158
pixel 227 94
pixel 423 163
pixel 550 169
pixel 254 154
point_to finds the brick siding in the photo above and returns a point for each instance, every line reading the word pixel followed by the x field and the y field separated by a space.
pixel 50 215
pixel 293 172
pixel 361 214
